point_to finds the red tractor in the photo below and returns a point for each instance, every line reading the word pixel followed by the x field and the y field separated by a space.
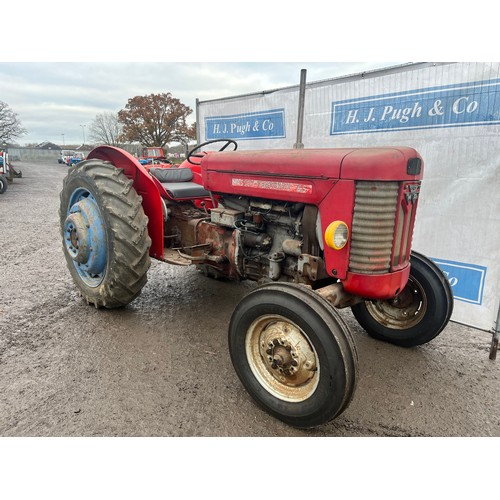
pixel 318 229
pixel 153 156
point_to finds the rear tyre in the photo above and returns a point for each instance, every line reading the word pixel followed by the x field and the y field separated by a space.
pixel 3 183
pixel 104 232
pixel 294 354
pixel 417 315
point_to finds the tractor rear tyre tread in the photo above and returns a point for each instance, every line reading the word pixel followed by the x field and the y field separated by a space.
pixel 3 183
pixel 125 224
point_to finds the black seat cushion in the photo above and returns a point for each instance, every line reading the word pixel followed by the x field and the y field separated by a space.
pixel 172 174
pixel 179 190
pixel 177 182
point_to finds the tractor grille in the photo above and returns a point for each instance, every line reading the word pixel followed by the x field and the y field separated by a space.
pixel 373 227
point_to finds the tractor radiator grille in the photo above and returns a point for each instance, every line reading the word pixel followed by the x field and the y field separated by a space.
pixel 373 227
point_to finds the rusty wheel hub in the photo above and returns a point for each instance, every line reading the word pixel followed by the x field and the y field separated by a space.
pixel 282 358
pixel 404 311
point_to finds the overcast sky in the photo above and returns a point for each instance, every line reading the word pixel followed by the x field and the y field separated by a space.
pixel 56 98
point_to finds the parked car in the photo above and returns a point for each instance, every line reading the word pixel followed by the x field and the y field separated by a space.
pixel 64 156
pixel 75 158
pixel 69 158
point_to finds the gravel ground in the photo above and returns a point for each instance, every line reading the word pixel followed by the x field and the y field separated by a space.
pixel 160 366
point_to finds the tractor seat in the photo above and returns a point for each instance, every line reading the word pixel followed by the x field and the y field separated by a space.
pixel 177 182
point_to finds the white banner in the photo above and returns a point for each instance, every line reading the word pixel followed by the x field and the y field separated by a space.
pixel 449 112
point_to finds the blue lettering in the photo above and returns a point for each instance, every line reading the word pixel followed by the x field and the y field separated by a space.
pixel 447 106
pixel 259 125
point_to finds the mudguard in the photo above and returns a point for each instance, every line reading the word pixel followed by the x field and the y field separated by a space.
pixel 144 185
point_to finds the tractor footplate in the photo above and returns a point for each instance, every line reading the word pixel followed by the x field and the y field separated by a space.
pixel 173 257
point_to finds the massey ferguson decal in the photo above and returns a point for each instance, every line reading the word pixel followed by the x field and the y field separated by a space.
pixel 449 106
pixel 291 187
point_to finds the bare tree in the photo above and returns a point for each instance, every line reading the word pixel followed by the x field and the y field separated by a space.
pixel 10 125
pixel 155 120
pixel 106 129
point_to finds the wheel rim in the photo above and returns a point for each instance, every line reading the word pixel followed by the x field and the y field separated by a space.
pixel 404 311
pixel 282 358
pixel 85 237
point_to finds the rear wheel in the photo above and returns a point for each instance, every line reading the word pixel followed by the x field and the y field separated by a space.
pixel 417 315
pixel 3 183
pixel 293 353
pixel 104 231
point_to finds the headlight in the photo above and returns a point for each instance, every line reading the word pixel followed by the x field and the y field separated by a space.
pixel 337 234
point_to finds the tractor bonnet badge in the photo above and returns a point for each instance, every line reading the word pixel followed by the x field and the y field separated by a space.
pixel 412 196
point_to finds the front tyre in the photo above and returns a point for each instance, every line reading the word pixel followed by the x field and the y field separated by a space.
pixel 104 232
pixel 293 353
pixel 417 315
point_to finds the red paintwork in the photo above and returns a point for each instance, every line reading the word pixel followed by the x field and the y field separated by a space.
pixel 150 189
pixel 338 205
pixel 364 164
pixel 144 185
pixel 151 153
pixel 376 286
pixel 319 163
pixel 404 253
pixel 322 177
pixel 307 175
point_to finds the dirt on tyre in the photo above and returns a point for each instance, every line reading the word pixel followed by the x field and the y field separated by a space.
pixel 104 233
pixel 417 315
pixel 294 354
pixel 3 183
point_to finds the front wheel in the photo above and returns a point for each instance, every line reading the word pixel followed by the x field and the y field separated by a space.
pixel 104 232
pixel 417 315
pixel 293 353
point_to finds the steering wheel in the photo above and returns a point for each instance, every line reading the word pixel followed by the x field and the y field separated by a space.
pixel 199 146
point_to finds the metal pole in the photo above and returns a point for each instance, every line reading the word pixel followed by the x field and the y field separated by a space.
pixel 494 340
pixel 300 119
pixel 83 129
pixel 197 121
pixel 6 168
